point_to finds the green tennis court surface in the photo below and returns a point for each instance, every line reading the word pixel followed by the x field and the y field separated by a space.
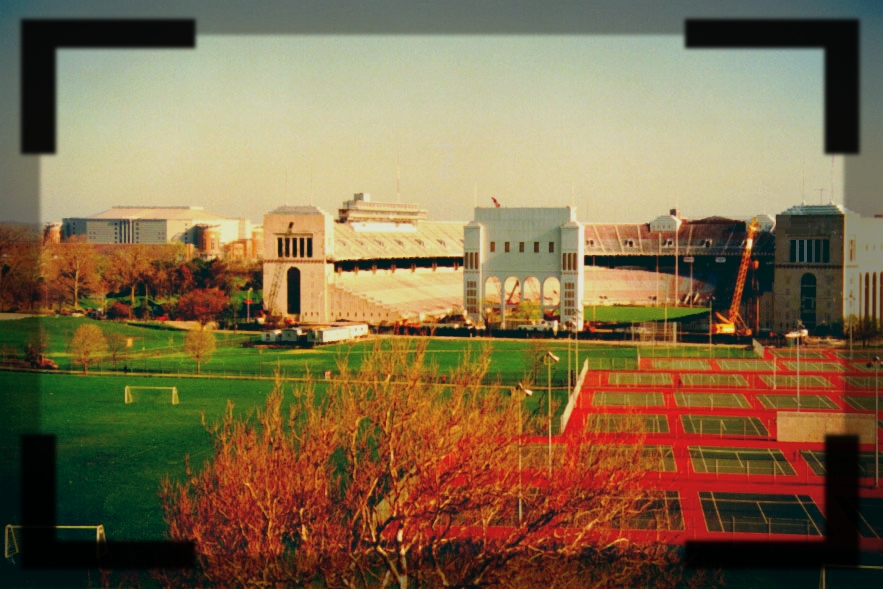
pixel 723 426
pixel 654 458
pixel 712 400
pixel 640 378
pixel 862 382
pixel 624 423
pixel 761 514
pixel 681 364
pixel 815 366
pixel 745 365
pixel 601 399
pixel 804 353
pixel 816 461
pixel 867 512
pixel 790 402
pixel 611 363
pixel 862 403
pixel 857 354
pixel 658 510
pixel 790 381
pixel 714 380
pixel 717 460
pixel 862 366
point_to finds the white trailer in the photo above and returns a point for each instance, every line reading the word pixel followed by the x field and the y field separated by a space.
pixel 337 333
pixel 271 337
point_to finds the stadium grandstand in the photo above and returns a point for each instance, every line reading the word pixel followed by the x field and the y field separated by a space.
pixel 384 263
pixel 670 260
pixel 377 262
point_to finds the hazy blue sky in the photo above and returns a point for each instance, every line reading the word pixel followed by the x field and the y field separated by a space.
pixel 623 127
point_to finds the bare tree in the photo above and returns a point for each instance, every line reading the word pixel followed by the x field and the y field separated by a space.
pixel 87 344
pixel 390 478
pixel 116 344
pixel 200 344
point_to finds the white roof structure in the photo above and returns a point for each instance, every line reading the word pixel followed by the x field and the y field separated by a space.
pixel 176 213
pixel 828 209
pixel 427 239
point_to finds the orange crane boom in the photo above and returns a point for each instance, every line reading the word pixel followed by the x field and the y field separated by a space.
pixel 732 322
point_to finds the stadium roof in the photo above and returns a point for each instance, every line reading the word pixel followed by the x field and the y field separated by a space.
pixel 426 239
pixel 182 213
pixel 828 209
pixel 298 210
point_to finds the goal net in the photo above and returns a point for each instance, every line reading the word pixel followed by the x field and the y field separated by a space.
pixel 130 398
pixel 13 538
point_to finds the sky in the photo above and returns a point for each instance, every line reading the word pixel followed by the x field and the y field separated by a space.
pixel 622 127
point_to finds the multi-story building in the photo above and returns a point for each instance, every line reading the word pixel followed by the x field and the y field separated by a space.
pixel 207 232
pixel 377 262
pixel 828 266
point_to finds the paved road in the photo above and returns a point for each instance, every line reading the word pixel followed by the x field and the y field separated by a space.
pixel 8 316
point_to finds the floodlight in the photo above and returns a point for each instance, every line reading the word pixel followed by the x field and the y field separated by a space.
pixel 520 387
pixel 552 357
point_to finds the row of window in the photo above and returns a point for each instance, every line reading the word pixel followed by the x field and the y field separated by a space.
pixel 471 296
pixel 809 251
pixel 667 243
pixel 294 247
pixel 536 247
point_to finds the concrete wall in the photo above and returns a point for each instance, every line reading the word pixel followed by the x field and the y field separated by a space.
pixel 522 244
pixel 829 276
pixel 812 426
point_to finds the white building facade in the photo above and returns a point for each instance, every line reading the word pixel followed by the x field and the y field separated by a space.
pixel 511 252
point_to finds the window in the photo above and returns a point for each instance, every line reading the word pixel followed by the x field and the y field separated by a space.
pixel 536 247
pixel 493 246
pixel 506 247
pixel 809 251
pixel 590 243
pixel 551 247
pixel 521 247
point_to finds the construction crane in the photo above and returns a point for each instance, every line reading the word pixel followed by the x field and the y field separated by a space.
pixel 732 323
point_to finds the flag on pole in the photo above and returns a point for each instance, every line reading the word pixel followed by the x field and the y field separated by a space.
pixel 496 202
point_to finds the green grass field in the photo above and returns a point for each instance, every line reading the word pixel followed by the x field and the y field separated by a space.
pixel 111 456
pixel 628 314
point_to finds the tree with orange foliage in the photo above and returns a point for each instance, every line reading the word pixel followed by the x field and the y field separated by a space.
pixel 387 477
pixel 203 305
pixel 73 269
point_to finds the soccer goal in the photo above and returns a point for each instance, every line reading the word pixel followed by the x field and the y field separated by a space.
pixel 131 399
pixel 12 542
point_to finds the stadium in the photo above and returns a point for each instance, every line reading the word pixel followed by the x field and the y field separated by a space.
pixel 384 264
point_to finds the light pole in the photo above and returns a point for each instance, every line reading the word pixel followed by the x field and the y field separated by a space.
pixel 576 368
pixel 248 307
pixel 548 360
pixel 527 393
pixel 799 336
pixel 710 323
pixel 849 318
pixel 876 363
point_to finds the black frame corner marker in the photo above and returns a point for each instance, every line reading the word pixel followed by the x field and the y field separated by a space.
pixel 46 552
pixel 840 546
pixel 41 38
pixel 838 38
